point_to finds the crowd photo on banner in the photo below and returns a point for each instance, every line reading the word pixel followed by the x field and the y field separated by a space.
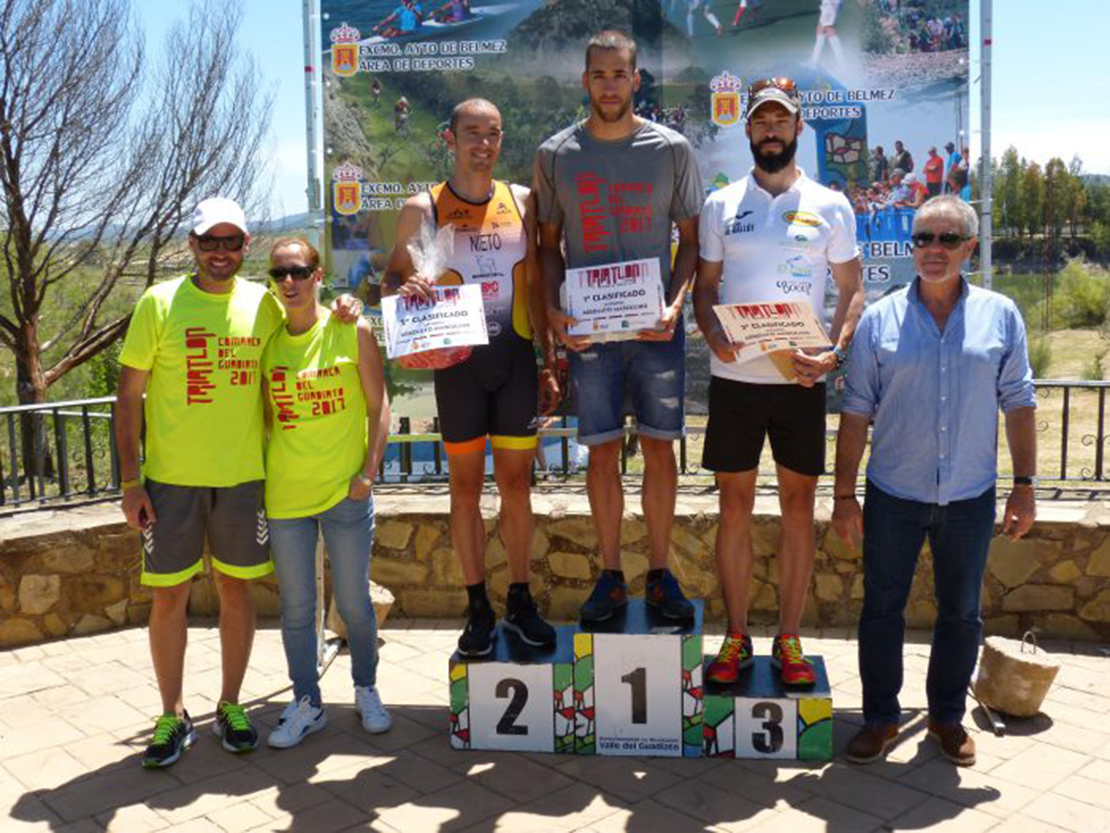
pixel 744 212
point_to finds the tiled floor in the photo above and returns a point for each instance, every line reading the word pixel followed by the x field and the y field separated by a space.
pixel 75 715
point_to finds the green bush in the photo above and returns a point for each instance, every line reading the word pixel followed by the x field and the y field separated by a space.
pixel 1093 371
pixel 1082 297
pixel 1040 356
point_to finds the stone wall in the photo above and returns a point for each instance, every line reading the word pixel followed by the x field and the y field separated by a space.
pixel 76 571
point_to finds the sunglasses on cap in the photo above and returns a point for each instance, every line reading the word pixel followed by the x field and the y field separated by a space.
pixel 297 273
pixel 782 83
pixel 212 242
pixel 947 239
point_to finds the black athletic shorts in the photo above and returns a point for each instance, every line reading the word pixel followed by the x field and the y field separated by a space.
pixel 741 413
pixel 493 393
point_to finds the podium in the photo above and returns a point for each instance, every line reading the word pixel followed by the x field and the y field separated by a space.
pixel 759 717
pixel 632 685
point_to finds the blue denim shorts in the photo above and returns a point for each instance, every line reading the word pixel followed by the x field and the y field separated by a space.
pixel 647 376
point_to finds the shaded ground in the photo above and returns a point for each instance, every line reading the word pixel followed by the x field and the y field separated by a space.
pixel 74 716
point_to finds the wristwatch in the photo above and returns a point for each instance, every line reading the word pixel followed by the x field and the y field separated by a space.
pixel 1025 480
pixel 841 356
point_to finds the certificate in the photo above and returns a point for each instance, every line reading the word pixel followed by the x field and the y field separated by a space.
pixel 614 301
pixel 413 325
pixel 766 327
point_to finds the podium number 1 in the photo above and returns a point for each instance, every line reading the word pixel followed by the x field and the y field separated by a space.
pixel 637 680
pixel 507 724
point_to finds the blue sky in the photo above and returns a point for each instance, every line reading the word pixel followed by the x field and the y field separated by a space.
pixel 1051 80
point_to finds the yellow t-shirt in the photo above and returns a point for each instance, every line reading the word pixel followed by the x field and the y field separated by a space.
pixel 318 439
pixel 203 399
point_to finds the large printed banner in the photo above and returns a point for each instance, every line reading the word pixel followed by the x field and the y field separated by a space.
pixel 884 86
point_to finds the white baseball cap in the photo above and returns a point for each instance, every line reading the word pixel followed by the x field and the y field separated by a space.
pixel 215 210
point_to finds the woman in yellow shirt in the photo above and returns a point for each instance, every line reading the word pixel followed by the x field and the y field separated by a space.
pixel 328 414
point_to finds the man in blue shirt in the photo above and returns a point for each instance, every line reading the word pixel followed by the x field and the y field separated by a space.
pixel 930 366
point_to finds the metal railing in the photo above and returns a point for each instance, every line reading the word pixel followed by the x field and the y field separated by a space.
pixel 64 453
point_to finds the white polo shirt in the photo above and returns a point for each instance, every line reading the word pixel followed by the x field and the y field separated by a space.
pixel 774 248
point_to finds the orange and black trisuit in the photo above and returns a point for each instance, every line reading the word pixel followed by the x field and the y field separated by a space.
pixel 494 391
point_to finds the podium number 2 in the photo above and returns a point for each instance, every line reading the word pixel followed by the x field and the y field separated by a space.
pixel 637 680
pixel 770 739
pixel 507 724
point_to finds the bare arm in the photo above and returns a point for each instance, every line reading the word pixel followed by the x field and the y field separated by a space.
pixel 1021 506
pixel 537 304
pixel 372 376
pixel 136 505
pixel 705 298
pixel 851 440
pixel 685 265
pixel 849 307
pixel 400 271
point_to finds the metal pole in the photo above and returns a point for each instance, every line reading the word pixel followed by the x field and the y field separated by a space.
pixel 986 231
pixel 311 83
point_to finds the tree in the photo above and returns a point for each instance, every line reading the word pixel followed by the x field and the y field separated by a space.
pixel 1056 187
pixel 101 160
pixel 1032 198
pixel 1008 191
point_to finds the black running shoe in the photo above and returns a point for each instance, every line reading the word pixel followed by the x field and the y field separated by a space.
pixel 172 736
pixel 664 594
pixel 609 597
pixel 477 637
pixel 233 728
pixel 524 620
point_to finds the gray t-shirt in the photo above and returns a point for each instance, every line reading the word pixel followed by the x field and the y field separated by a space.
pixel 617 199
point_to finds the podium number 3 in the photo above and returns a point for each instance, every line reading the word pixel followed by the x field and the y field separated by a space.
pixel 770 739
pixel 637 680
pixel 507 724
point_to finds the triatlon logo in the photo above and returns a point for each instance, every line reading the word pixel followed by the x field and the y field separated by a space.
pixel 344 50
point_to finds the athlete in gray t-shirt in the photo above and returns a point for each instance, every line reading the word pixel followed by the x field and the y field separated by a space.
pixel 616 199
pixel 609 190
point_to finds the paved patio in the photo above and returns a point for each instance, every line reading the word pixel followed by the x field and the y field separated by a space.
pixel 75 715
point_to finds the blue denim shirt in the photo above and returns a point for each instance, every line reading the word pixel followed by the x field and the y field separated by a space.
pixel 934 396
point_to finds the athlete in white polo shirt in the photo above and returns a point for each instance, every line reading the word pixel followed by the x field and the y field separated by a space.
pixel 773 236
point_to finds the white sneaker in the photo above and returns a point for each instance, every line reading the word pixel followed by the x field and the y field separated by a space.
pixel 298 720
pixel 368 703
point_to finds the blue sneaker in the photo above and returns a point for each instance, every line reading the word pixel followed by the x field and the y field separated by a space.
pixel 664 594
pixel 608 598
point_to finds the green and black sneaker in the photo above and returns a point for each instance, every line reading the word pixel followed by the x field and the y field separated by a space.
pixel 172 736
pixel 233 728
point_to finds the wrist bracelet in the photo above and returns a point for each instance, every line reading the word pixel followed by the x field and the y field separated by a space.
pixel 1020 480
pixel 844 497
pixel 134 483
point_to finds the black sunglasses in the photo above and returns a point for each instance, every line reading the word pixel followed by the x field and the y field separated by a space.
pixel 211 242
pixel 948 239
pixel 297 273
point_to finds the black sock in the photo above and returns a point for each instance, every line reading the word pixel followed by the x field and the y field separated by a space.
pixel 617 574
pixel 476 596
pixel 520 588
pixel 656 574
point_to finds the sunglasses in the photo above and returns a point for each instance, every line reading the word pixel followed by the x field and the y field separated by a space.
pixel 297 273
pixel 948 239
pixel 787 85
pixel 211 242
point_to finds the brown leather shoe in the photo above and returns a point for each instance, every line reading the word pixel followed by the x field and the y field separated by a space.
pixel 955 743
pixel 870 742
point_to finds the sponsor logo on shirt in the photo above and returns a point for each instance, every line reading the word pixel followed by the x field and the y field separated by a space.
pixel 797 267
pixel 801 218
pixel 794 287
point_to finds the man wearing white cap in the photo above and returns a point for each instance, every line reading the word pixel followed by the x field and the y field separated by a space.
pixel 772 236
pixel 193 347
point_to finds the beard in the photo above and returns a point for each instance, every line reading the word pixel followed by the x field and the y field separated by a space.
pixel 611 116
pixel 772 163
